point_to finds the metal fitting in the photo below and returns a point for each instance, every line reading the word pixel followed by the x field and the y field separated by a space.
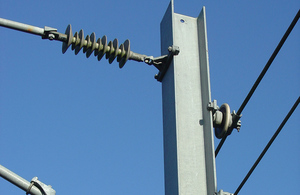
pixel 223 121
pixel 174 49
pixel 221 192
pixel 44 189
pixel 213 106
pixel 51 37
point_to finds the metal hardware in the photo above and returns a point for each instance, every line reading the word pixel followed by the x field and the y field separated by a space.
pixel 236 125
pixel 162 63
pixel 100 47
pixel 213 106
pixel 221 192
pixel 223 121
pixel 34 187
pixel 45 189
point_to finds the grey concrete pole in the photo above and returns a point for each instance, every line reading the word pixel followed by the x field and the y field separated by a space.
pixel 189 161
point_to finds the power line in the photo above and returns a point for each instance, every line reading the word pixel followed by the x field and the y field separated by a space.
pixel 262 74
pixel 268 145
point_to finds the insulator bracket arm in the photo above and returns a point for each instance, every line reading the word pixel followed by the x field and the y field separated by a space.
pixel 111 50
pixel 162 63
pixel 167 59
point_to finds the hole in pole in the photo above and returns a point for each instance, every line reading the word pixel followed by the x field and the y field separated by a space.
pixel 182 20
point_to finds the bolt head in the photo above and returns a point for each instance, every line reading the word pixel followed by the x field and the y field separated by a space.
pixel 51 36
pixel 174 49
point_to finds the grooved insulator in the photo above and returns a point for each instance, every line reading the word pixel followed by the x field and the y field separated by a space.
pixel 100 47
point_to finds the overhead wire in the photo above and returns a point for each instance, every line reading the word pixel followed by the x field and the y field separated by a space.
pixel 260 77
pixel 268 146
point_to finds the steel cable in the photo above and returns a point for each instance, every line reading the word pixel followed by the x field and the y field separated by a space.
pixel 262 74
pixel 268 146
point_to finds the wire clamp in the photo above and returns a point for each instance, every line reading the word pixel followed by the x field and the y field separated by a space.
pixel 44 189
pixel 236 122
pixel 221 192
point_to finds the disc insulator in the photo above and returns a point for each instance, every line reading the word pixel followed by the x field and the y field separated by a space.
pixel 93 45
pixel 99 47
pixel 105 48
pixel 69 34
pixel 114 51
pixel 124 59
pixel 81 42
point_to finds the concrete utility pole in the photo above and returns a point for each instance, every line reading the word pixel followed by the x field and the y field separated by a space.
pixel 189 161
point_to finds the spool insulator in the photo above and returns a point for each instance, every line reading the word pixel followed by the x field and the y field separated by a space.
pixel 221 130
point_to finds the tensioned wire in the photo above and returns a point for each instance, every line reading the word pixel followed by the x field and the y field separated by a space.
pixel 268 146
pixel 260 77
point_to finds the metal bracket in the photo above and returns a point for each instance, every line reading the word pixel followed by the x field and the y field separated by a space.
pixel 236 122
pixel 213 106
pixel 162 63
pixel 45 189
pixel 221 192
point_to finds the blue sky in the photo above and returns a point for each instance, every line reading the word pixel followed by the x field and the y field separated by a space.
pixel 87 127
